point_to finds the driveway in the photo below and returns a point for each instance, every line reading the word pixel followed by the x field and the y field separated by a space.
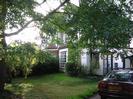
pixel 95 97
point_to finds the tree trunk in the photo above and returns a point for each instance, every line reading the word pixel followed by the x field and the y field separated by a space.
pixel 3 68
pixel 5 75
pixel 91 61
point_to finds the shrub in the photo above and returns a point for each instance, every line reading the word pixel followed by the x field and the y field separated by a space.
pixel 51 65
pixel 83 71
pixel 71 69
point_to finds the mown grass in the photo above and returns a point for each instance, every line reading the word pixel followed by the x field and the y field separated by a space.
pixel 59 86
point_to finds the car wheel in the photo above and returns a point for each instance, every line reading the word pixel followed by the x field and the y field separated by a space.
pixel 103 97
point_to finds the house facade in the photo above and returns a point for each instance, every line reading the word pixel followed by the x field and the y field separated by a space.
pixel 105 63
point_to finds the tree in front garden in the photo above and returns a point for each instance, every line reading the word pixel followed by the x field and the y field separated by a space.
pixel 105 25
pixel 18 14
pixel 98 25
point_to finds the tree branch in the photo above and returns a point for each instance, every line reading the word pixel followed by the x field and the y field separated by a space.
pixel 17 32
pixel 54 11
pixel 44 18
pixel 42 2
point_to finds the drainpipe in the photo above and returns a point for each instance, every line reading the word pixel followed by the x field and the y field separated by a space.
pixel 111 61
pixel 107 63
pixel 123 62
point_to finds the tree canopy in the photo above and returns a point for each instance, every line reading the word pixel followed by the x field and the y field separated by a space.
pixel 107 24
pixel 97 24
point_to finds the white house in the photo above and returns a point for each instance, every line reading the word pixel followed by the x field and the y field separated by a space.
pixel 103 60
pixel 106 62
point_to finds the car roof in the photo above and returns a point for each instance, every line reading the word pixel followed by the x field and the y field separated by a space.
pixel 124 70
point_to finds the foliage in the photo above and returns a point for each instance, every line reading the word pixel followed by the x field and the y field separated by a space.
pixel 23 56
pixel 73 59
pixel 97 24
pixel 51 65
pixel 63 22
pixel 105 20
pixel 18 11
pixel 73 52
pixel 71 69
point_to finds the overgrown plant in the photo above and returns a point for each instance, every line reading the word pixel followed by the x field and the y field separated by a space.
pixel 74 52
pixel 72 69
pixel 51 65
pixel 23 56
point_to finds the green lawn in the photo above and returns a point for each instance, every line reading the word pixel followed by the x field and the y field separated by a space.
pixel 60 86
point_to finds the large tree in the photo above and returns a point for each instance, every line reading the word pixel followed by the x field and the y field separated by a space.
pixel 102 24
pixel 98 25
pixel 18 14
pixel 108 23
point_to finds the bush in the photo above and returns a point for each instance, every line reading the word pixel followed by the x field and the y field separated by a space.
pixel 83 71
pixel 51 65
pixel 71 69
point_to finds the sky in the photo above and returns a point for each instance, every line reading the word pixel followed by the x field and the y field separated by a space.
pixel 31 34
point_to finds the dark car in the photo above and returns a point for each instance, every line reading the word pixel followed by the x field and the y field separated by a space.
pixel 117 84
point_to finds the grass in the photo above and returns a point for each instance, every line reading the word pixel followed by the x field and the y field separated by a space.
pixel 59 86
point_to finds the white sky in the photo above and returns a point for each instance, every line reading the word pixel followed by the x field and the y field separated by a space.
pixel 31 33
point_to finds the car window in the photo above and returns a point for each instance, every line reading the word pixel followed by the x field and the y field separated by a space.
pixel 121 76
pixel 131 76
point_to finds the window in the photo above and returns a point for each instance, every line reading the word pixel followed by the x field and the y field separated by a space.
pixel 116 66
pixel 63 59
pixel 63 56
pixel 121 76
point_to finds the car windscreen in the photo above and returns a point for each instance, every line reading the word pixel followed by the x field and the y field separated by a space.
pixel 121 76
